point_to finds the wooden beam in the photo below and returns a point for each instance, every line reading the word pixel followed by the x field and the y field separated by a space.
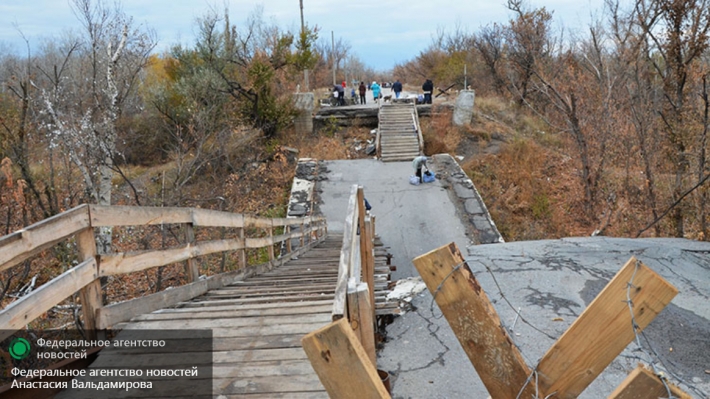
pixel 22 244
pixel 91 298
pixel 21 312
pixel 642 383
pixel 103 215
pixel 123 263
pixel 361 230
pixel 603 330
pixel 130 262
pixel 242 253
pixel 368 260
pixel 272 255
pixel 341 363
pixel 303 228
pixel 475 322
pixel 360 315
pixel 288 230
pixel 192 270
pixel 341 288
pixel 210 218
pixel 145 215
pixel 111 315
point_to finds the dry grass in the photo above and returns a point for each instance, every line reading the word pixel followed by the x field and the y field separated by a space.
pixel 533 188
pixel 530 188
pixel 516 185
pixel 439 134
pixel 346 143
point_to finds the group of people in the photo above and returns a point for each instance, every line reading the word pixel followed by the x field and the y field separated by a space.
pixel 361 98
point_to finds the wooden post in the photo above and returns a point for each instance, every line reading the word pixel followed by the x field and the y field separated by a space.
pixel 192 270
pixel 360 315
pixel 271 245
pixel 368 262
pixel 242 253
pixel 373 230
pixel 361 223
pixel 91 298
pixel 341 363
pixel 642 383
pixel 303 233
pixel 603 330
pixel 475 322
pixel 288 240
pixel 366 255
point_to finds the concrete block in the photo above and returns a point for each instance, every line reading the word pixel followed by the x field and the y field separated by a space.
pixel 304 103
pixel 463 110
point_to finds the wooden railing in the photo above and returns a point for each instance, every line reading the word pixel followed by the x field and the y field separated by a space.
pixel 355 291
pixel 420 138
pixel 79 223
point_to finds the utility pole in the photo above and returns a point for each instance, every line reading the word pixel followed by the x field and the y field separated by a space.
pixel 303 30
pixel 332 41
pixel 465 78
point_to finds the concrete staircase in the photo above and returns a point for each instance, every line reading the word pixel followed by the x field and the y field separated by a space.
pixel 398 133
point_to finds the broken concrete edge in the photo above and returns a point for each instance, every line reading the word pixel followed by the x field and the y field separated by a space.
pixel 300 202
pixel 301 197
pixel 483 213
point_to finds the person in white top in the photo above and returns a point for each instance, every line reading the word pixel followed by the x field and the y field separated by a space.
pixel 419 163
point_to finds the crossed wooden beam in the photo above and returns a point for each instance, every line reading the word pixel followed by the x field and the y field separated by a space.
pixel 590 344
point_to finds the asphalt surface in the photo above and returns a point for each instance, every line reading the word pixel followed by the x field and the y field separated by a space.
pixel 403 211
pixel 550 282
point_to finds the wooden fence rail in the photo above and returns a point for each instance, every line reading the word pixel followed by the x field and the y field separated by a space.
pixel 355 292
pixel 350 338
pixel 79 223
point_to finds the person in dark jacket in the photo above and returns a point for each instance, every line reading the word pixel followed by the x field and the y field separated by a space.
pixel 397 88
pixel 341 94
pixel 362 90
pixel 428 88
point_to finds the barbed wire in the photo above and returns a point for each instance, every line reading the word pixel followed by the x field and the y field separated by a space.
pixel 512 338
pixel 438 288
pixel 649 359
pixel 517 312
pixel 635 327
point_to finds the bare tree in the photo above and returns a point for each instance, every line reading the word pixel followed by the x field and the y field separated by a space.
pixel 489 43
pixel 16 128
pixel 88 92
pixel 332 55
pixel 528 39
pixel 678 33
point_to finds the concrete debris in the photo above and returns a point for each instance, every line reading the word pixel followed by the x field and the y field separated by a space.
pixel 405 290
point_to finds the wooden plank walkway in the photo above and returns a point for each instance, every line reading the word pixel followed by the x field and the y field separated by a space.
pixel 398 132
pixel 257 325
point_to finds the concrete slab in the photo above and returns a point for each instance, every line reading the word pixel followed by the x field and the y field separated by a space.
pixel 462 191
pixel 551 282
pixel 556 279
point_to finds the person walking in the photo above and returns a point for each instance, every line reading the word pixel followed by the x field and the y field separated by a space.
pixel 362 90
pixel 419 163
pixel 375 91
pixel 428 88
pixel 397 88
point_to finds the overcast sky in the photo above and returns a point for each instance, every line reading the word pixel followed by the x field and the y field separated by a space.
pixel 381 32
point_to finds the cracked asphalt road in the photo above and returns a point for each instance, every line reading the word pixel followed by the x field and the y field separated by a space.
pixel 551 282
